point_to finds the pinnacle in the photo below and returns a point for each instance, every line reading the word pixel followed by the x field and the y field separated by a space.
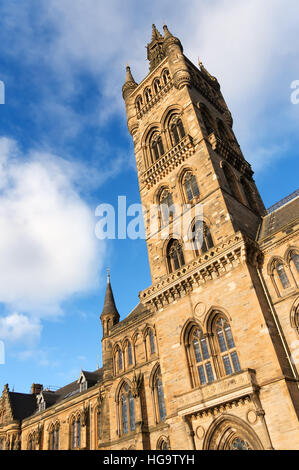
pixel 156 35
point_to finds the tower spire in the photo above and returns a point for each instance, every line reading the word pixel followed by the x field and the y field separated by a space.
pixel 129 84
pixel 109 308
pixel 156 35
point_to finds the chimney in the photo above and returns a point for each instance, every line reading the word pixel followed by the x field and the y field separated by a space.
pixel 36 389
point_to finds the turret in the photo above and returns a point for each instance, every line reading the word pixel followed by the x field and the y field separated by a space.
pixel 110 315
pixel 128 88
pixel 173 49
pixel 109 318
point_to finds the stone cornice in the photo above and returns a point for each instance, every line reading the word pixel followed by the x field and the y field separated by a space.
pixel 155 99
pixel 219 394
pixel 170 160
pixel 213 264
pixel 230 155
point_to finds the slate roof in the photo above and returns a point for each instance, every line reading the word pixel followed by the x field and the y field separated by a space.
pixel 23 404
pixel 276 220
pixel 137 313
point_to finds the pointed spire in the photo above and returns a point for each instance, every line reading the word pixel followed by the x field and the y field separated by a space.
pixel 129 76
pixel 156 35
pixel 109 303
pixel 169 39
pixel 167 33
pixel 129 84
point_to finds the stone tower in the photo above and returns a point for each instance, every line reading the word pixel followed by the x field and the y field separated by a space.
pixel 187 155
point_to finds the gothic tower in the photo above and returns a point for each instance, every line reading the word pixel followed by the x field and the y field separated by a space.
pixel 188 158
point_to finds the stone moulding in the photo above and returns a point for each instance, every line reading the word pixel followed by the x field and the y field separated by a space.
pixel 219 396
pixel 230 155
pixel 177 155
pixel 155 99
pixel 213 264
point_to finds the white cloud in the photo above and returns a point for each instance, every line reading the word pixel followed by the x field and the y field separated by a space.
pixel 251 47
pixel 48 248
pixel 17 327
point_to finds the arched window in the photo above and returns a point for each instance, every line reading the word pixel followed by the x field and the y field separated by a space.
pixel 163 445
pixel 223 133
pixel 156 146
pixel 31 442
pixel 54 437
pixel 76 432
pixel 177 131
pixel 150 342
pixel 157 86
pixel 207 119
pixel 190 186
pixel 249 194
pixel 175 255
pixel 294 258
pixel 130 354
pixel 282 275
pixel 201 237
pixel 166 206
pixel 200 356
pixel 165 76
pixel 147 95
pixel 99 423
pixel 226 346
pixel 120 360
pixel 127 410
pixel 232 182
pixel 158 396
pixel 139 103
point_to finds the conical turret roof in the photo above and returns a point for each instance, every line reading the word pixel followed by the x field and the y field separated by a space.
pixel 109 304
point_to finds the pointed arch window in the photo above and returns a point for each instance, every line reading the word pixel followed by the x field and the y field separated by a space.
pixel 127 410
pixel 166 206
pixel 120 360
pixel 54 438
pixel 165 76
pixel 295 259
pixel 226 346
pixel 190 186
pixel 130 354
pixel 201 357
pixel 148 95
pixel 232 182
pixel 207 120
pixel 76 432
pixel 157 86
pixel 249 194
pixel 177 131
pixel 201 237
pixel 282 275
pixel 31 442
pixel 139 103
pixel 156 146
pixel 99 423
pixel 175 255
pixel 223 132
pixel 158 396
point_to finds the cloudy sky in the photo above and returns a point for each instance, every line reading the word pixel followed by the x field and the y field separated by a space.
pixel 65 149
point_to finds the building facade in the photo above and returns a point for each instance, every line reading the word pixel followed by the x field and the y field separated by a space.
pixel 209 357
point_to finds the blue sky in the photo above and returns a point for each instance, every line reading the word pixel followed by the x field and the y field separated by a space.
pixel 65 149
